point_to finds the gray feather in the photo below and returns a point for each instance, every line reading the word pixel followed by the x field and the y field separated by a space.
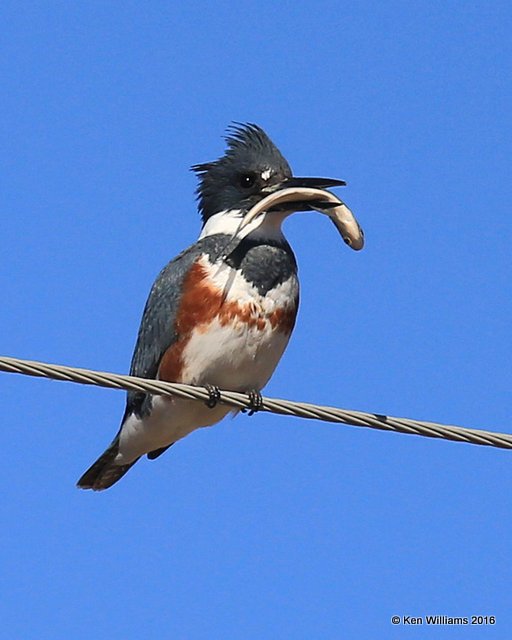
pixel 103 473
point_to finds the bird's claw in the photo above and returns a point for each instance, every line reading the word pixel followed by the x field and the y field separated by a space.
pixel 213 395
pixel 255 402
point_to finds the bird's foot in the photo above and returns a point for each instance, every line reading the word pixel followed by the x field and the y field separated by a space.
pixel 213 395
pixel 255 402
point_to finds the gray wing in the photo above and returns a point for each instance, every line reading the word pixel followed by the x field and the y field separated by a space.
pixel 157 330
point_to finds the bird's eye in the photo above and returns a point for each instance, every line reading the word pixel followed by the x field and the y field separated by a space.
pixel 247 180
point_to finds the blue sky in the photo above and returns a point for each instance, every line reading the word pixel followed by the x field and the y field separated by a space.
pixel 262 527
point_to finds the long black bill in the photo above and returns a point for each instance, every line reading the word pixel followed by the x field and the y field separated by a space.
pixel 309 183
pixel 315 183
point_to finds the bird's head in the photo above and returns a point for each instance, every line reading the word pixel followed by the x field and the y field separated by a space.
pixel 251 168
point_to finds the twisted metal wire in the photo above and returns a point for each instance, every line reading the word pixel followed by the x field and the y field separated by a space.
pixel 272 405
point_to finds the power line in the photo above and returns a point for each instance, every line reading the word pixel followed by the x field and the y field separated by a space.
pixel 272 405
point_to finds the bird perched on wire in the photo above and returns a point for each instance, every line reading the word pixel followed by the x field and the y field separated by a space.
pixel 221 313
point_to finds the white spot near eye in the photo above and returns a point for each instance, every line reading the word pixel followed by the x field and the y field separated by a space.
pixel 265 175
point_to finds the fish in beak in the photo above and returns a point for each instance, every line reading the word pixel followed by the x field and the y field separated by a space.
pixel 306 194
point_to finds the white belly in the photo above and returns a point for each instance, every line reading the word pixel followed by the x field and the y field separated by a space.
pixel 235 361
pixel 234 357
pixel 238 356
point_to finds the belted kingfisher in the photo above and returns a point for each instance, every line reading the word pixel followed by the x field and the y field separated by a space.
pixel 221 313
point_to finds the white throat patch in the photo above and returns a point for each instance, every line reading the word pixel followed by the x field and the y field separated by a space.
pixel 268 225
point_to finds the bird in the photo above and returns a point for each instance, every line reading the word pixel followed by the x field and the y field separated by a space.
pixel 221 313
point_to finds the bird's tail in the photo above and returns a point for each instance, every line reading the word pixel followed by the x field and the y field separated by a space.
pixel 104 472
